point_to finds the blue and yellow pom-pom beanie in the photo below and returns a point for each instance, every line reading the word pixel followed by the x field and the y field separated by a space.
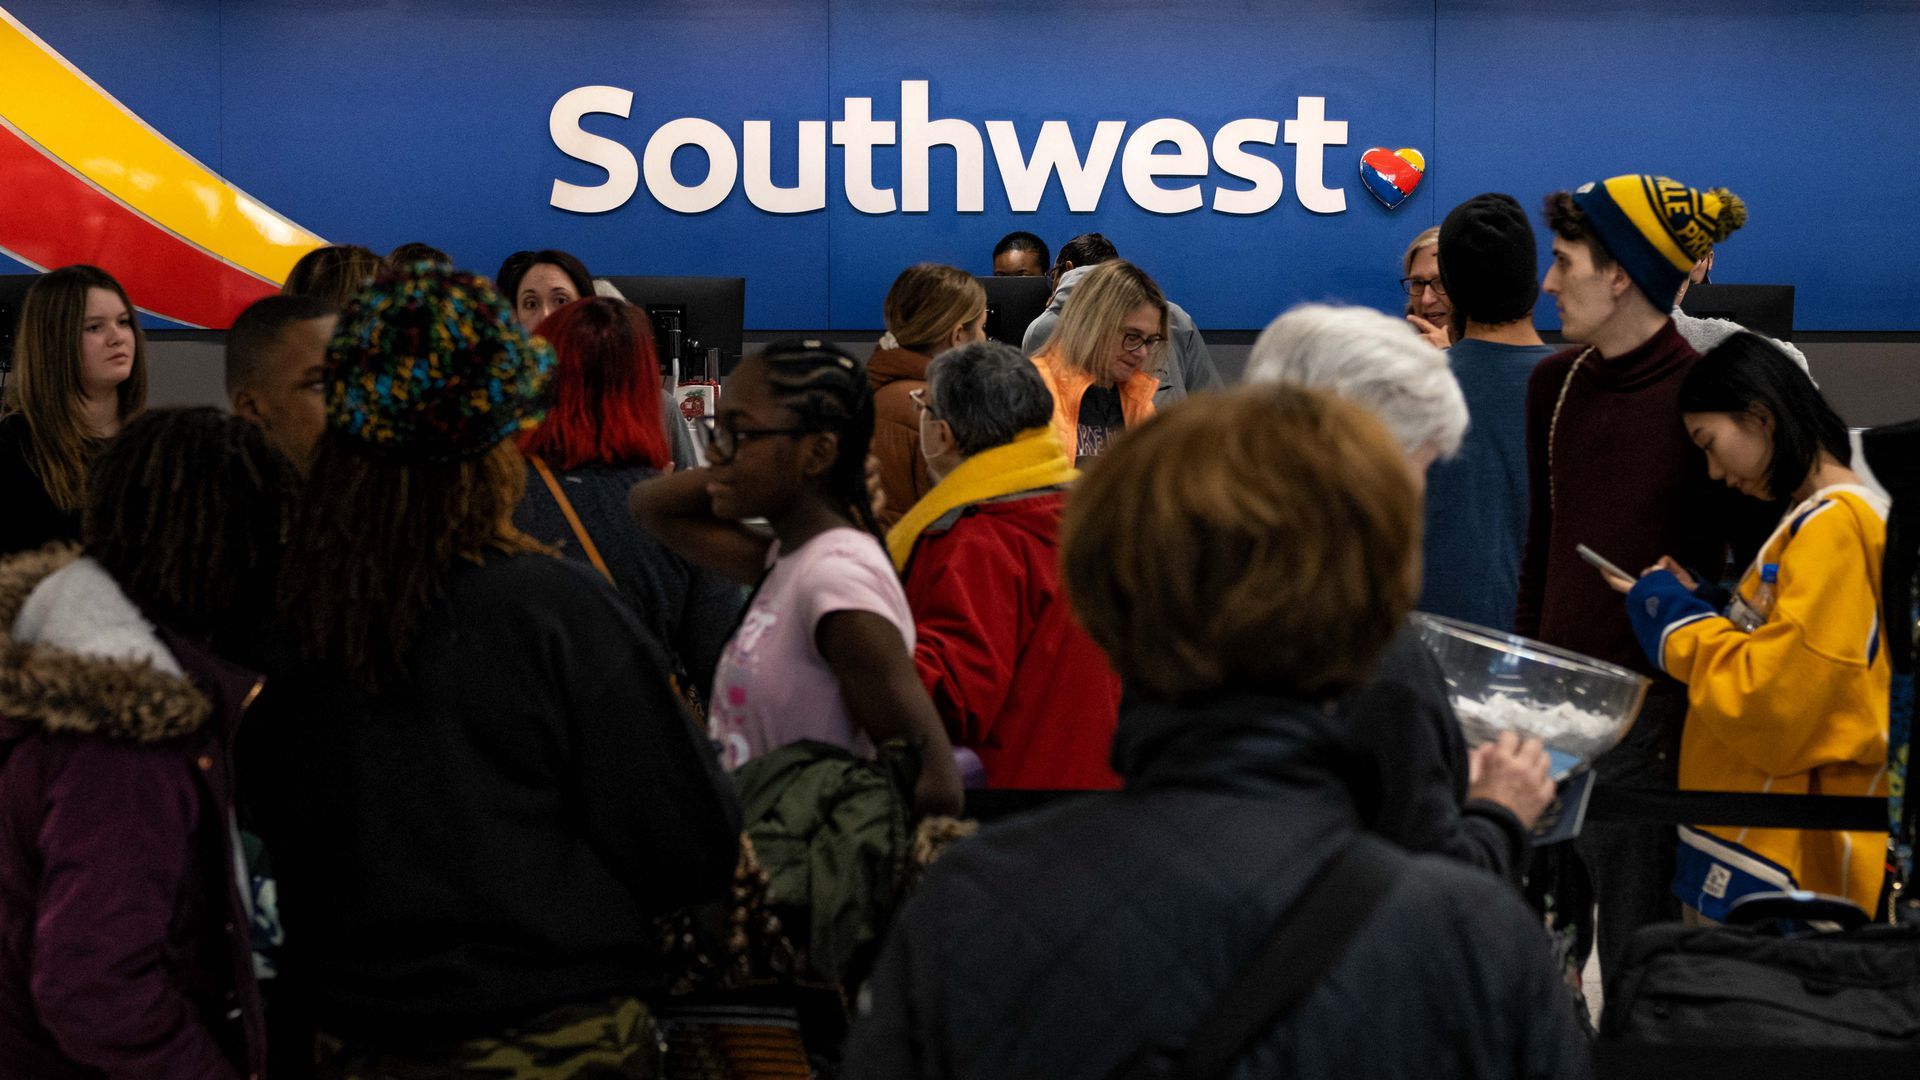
pixel 1657 228
pixel 428 364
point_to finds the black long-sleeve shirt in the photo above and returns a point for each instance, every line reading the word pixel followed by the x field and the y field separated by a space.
pixel 491 838
pixel 29 517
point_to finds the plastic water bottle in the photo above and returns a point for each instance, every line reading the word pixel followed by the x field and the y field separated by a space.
pixel 1752 615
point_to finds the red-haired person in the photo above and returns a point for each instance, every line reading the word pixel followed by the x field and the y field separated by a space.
pixel 602 435
pixel 539 283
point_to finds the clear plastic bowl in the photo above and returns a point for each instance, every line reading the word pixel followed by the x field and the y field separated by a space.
pixel 1578 706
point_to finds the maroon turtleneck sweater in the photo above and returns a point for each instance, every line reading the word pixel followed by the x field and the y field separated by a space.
pixel 1627 482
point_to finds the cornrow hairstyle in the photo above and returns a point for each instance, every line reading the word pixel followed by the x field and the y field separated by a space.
pixel 827 389
pixel 185 510
pixel 353 597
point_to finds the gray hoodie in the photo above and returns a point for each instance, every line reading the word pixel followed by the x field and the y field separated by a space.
pixel 1192 367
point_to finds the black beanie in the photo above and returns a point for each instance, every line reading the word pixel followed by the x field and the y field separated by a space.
pixel 1487 260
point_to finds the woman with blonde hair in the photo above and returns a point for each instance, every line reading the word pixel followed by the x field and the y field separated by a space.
pixel 1102 360
pixel 930 309
pixel 1428 308
pixel 79 374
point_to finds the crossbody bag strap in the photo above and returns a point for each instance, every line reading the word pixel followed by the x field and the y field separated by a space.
pixel 573 520
pixel 1553 426
pixel 1311 937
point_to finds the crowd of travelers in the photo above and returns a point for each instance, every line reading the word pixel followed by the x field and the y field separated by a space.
pixel 406 718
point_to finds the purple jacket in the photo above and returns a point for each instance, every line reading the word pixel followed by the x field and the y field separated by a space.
pixel 123 934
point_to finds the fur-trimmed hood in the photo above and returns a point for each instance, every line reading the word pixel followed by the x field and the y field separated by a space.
pixel 77 656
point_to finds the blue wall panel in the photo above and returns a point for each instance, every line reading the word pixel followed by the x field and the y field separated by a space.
pixel 388 121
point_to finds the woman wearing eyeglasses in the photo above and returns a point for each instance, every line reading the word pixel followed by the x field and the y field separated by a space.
pixel 825 651
pixel 1428 308
pixel 1101 362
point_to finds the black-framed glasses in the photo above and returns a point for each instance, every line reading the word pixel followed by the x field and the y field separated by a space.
pixel 1133 341
pixel 722 441
pixel 919 399
pixel 1417 285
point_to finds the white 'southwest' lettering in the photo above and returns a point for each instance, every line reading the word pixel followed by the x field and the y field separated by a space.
pixel 1157 150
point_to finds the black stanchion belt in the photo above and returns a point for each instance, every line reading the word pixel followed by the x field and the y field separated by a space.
pixel 1610 804
pixel 1847 813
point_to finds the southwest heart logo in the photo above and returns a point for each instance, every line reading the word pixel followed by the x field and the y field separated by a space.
pixel 1392 174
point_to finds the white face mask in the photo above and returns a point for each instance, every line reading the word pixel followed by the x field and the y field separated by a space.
pixel 937 447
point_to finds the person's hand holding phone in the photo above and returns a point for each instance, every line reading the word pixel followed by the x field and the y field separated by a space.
pixel 1615 577
pixel 1622 584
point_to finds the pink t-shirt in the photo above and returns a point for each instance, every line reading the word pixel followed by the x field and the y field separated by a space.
pixel 772 686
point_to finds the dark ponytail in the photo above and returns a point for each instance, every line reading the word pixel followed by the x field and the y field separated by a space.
pixel 828 390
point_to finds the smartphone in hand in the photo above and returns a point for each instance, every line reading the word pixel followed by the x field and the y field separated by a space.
pixel 1599 562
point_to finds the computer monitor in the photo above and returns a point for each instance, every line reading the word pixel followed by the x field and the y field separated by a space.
pixel 13 292
pixel 691 315
pixel 1765 309
pixel 1012 305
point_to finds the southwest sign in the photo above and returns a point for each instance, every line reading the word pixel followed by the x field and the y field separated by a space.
pixel 1158 160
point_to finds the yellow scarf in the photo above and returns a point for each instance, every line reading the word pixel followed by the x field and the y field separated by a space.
pixel 1034 459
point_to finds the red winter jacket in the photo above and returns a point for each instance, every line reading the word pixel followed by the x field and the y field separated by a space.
pixel 1014 676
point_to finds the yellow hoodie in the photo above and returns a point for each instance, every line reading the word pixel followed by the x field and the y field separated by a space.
pixel 1799 706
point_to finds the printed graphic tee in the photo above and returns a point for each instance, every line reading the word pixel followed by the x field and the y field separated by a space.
pixel 773 687
pixel 1101 422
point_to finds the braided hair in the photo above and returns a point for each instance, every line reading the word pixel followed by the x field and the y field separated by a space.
pixel 185 509
pixel 828 390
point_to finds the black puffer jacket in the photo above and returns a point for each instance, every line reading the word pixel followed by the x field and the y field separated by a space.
pixel 1058 944
pixel 1415 793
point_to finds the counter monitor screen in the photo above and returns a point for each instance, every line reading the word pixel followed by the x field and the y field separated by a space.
pixel 1012 305
pixel 691 315
pixel 1764 309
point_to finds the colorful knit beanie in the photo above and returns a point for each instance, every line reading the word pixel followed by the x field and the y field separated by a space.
pixel 428 364
pixel 1658 228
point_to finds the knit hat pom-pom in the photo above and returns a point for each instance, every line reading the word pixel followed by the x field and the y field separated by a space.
pixel 1733 213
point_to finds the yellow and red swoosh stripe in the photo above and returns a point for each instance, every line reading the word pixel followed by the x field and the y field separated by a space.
pixel 82 179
